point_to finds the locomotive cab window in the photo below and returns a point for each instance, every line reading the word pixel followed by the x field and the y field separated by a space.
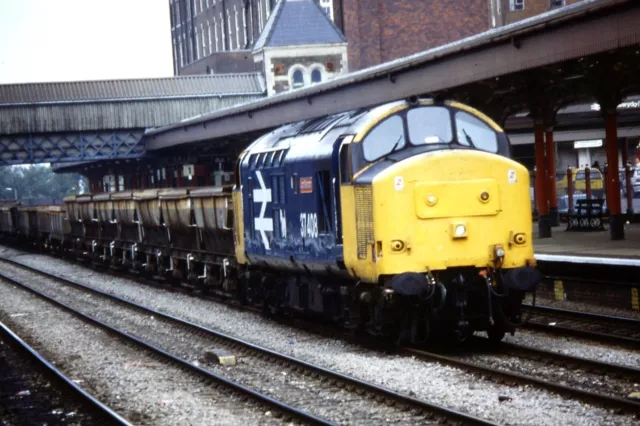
pixel 429 125
pixel 385 138
pixel 473 132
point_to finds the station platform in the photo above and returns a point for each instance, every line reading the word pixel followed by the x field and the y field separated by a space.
pixel 594 247
pixel 587 267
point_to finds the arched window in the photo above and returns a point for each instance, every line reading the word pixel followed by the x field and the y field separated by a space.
pixel 316 76
pixel 298 79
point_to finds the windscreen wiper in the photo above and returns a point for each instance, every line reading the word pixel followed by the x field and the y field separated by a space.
pixel 468 138
pixel 393 149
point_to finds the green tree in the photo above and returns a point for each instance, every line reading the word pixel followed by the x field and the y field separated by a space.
pixel 38 182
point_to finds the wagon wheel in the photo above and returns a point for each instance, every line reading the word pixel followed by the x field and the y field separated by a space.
pixel 584 222
pixel 595 222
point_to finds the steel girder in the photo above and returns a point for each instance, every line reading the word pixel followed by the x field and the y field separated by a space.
pixel 67 147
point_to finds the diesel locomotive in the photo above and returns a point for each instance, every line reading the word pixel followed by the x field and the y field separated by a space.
pixel 408 221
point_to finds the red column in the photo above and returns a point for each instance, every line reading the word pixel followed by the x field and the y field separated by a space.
pixel 616 225
pixel 535 192
pixel 544 226
pixel 627 177
pixel 95 184
pixel 554 218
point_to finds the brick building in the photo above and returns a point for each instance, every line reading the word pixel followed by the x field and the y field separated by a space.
pixel 292 42
pixel 203 33
pixel 506 12
pixel 383 30
pixel 219 36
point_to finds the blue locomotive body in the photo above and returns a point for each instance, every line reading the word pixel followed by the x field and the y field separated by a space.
pixel 291 198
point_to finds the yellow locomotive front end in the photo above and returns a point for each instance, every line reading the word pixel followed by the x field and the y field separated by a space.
pixel 437 223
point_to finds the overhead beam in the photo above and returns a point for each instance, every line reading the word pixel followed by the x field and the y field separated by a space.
pixel 71 147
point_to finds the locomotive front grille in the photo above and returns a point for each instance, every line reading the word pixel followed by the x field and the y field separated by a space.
pixel 364 219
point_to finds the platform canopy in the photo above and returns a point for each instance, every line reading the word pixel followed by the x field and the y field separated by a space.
pixel 93 120
pixel 575 54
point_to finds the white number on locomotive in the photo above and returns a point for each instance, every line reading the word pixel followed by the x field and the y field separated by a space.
pixel 309 225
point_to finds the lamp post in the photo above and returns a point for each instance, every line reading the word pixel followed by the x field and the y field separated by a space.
pixel 15 192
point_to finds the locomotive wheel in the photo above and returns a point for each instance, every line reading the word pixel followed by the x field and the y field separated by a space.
pixel 270 297
pixel 496 334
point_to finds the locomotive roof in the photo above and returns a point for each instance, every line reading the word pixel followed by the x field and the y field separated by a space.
pixel 315 130
pixel 315 138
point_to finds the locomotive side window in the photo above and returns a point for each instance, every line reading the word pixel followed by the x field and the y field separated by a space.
pixel 345 164
pixel 476 133
pixel 429 125
pixel 384 139
pixel 323 191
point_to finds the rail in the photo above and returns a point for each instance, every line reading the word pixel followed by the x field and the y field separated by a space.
pixel 98 410
pixel 347 382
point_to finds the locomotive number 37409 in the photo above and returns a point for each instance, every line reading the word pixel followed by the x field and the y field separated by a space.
pixel 309 225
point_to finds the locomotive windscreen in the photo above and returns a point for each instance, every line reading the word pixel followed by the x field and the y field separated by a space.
pixel 428 128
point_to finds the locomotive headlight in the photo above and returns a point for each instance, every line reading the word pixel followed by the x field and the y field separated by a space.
pixel 459 230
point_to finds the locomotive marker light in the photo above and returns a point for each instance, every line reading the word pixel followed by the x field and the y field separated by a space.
pixel 431 200
pixel 397 245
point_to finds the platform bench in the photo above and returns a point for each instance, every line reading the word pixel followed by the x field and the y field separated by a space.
pixel 588 216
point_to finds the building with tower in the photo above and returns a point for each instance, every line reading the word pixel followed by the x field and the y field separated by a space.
pixel 241 36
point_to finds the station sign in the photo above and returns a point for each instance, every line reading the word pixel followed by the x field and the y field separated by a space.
pixel 595 143
pixel 188 170
pixel 633 104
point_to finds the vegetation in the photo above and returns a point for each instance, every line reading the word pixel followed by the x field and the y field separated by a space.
pixel 38 183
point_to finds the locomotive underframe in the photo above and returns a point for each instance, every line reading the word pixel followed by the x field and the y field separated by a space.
pixel 455 304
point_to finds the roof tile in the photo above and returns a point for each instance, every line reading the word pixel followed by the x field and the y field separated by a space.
pixel 298 22
pixel 133 89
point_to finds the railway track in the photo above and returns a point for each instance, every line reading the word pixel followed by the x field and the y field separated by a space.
pixel 26 394
pixel 307 384
pixel 582 324
pixel 613 382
